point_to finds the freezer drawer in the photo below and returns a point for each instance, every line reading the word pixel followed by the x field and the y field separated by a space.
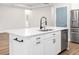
pixel 75 37
pixel 75 24
pixel 75 30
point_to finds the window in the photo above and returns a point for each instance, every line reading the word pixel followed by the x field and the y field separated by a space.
pixel 27 16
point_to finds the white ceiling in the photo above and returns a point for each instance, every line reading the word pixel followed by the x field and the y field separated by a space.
pixel 28 5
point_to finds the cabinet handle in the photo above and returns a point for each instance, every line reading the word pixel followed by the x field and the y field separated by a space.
pixel 37 38
pixel 53 34
pixel 37 42
pixel 18 40
pixel 54 40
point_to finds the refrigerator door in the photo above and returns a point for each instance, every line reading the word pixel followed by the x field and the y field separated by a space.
pixel 75 18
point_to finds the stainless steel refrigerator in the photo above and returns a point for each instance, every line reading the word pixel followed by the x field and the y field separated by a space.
pixel 75 25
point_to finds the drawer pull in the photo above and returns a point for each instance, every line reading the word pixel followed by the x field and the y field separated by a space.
pixel 37 42
pixel 54 40
pixel 38 38
pixel 18 40
pixel 53 34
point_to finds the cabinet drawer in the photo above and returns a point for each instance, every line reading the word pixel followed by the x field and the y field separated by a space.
pixel 50 35
pixel 44 36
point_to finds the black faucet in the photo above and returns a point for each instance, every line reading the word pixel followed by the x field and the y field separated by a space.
pixel 42 23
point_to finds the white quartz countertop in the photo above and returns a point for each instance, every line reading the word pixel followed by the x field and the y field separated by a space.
pixel 31 31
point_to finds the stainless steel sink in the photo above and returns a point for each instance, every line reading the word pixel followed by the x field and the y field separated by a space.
pixel 47 30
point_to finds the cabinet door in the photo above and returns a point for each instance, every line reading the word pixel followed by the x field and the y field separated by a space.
pixel 49 46
pixel 61 16
pixel 57 45
pixel 18 47
pixel 52 45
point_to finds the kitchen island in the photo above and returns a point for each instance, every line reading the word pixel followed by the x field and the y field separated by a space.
pixel 32 41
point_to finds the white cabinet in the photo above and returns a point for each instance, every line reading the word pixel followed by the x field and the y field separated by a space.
pixel 57 44
pixel 37 45
pixel 20 48
pixel 48 46
pixel 45 44
pixel 29 46
pixel 52 45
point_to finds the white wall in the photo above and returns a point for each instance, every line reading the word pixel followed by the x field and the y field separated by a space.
pixel 75 6
pixel 37 13
pixel 11 17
